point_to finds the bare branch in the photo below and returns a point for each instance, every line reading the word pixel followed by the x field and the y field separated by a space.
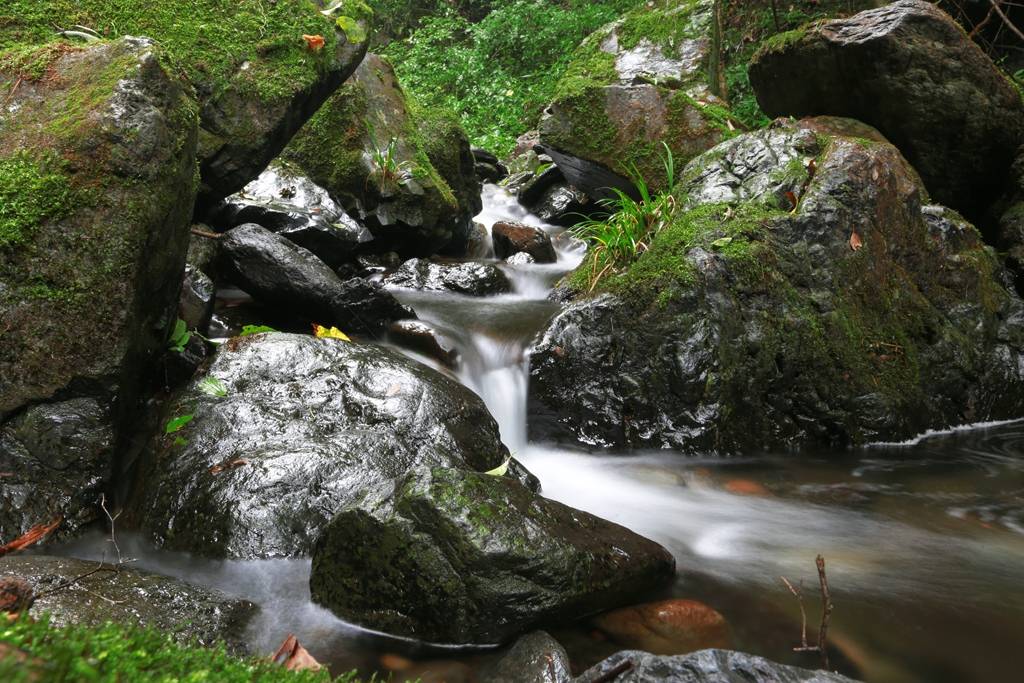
pixel 826 611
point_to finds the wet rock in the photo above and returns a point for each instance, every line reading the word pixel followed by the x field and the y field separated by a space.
pixel 203 249
pixel 520 259
pixel 488 168
pixel 750 325
pixel 667 627
pixel 624 94
pixel 473 279
pixel 90 278
pixel 947 107
pixel 535 658
pixel 527 142
pixel 281 273
pixel 706 666
pixel 407 176
pixel 131 597
pixel 285 201
pixel 563 204
pixel 513 238
pixel 532 191
pixel 479 245
pixel 424 338
pixel 195 304
pixel 305 428
pixel 54 460
pixel 454 556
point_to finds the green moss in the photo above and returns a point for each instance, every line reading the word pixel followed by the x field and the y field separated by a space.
pixel 33 189
pixel 119 653
pixel 665 23
pixel 783 41
pixel 590 67
pixel 255 46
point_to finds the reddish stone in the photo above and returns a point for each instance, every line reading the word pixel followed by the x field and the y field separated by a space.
pixel 667 627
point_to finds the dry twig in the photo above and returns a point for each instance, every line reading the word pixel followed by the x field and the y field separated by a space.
pixel 826 613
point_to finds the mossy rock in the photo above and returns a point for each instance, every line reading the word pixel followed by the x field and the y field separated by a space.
pixel 857 314
pixel 98 170
pixel 451 556
pixel 255 76
pixel 652 77
pixel 375 152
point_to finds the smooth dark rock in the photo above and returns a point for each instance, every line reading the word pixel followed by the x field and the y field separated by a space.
pixel 129 596
pixel 908 69
pixel 54 461
pixel 453 556
pixel 862 315
pixel 563 204
pixel 535 658
pixel 512 238
pixel 488 168
pixel 474 279
pixel 195 305
pixel 706 666
pixel 281 273
pixel 424 338
pixel 305 429
pixel 285 201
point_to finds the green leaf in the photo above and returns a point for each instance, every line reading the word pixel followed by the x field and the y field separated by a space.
pixel 248 330
pixel 501 469
pixel 179 336
pixel 211 386
pixel 175 424
pixel 721 242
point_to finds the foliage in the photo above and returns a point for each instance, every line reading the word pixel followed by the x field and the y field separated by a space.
pixel 249 330
pixel 113 653
pixel 618 237
pixel 211 386
pixel 388 171
pixel 180 336
pixel 176 424
pixel 499 72
pixel 330 333
pixel 31 191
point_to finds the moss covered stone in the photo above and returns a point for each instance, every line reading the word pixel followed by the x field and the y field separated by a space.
pixel 406 172
pixel 654 76
pixel 804 294
pixel 256 78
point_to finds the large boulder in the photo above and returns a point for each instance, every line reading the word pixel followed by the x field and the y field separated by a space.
pixel 279 272
pixel 86 593
pixel 908 69
pixel 859 314
pixel 452 556
pixel 654 76
pixel 256 78
pixel 97 180
pixel 706 666
pixel 285 201
pixel 287 430
pixel 406 174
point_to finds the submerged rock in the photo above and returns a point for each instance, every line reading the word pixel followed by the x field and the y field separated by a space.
pixel 654 76
pixel 97 163
pixel 535 658
pixel 515 238
pixel 474 279
pixel 288 203
pixel 404 172
pixel 304 428
pixel 128 596
pixel 453 556
pixel 911 71
pixel 859 315
pixel 706 666
pixel 281 273
pixel 666 627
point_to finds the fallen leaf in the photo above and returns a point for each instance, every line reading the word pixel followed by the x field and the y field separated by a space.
pixel 229 465
pixel 855 241
pixel 16 595
pixel 501 469
pixel 791 196
pixel 330 333
pixel 294 657
pixel 394 662
pixel 721 242
pixel 34 535
pixel 314 43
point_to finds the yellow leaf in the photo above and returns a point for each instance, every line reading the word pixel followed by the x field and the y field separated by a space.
pixel 331 333
pixel 501 469
pixel 855 241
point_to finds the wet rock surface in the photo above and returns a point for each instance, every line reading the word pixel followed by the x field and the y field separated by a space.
pixel 281 273
pixel 424 338
pixel 750 325
pixel 535 658
pixel 667 627
pixel 514 238
pixel 473 279
pixel 305 428
pixel 706 666
pixel 911 71
pixel 131 597
pixel 454 556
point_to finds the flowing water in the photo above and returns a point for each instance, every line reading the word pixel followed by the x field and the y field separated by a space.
pixel 924 541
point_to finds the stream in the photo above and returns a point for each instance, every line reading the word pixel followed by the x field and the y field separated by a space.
pixel 924 541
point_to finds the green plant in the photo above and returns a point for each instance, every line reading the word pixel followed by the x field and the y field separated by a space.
pixel 248 330
pixel 625 231
pixel 176 424
pixel 211 386
pixel 180 336
pixel 389 172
